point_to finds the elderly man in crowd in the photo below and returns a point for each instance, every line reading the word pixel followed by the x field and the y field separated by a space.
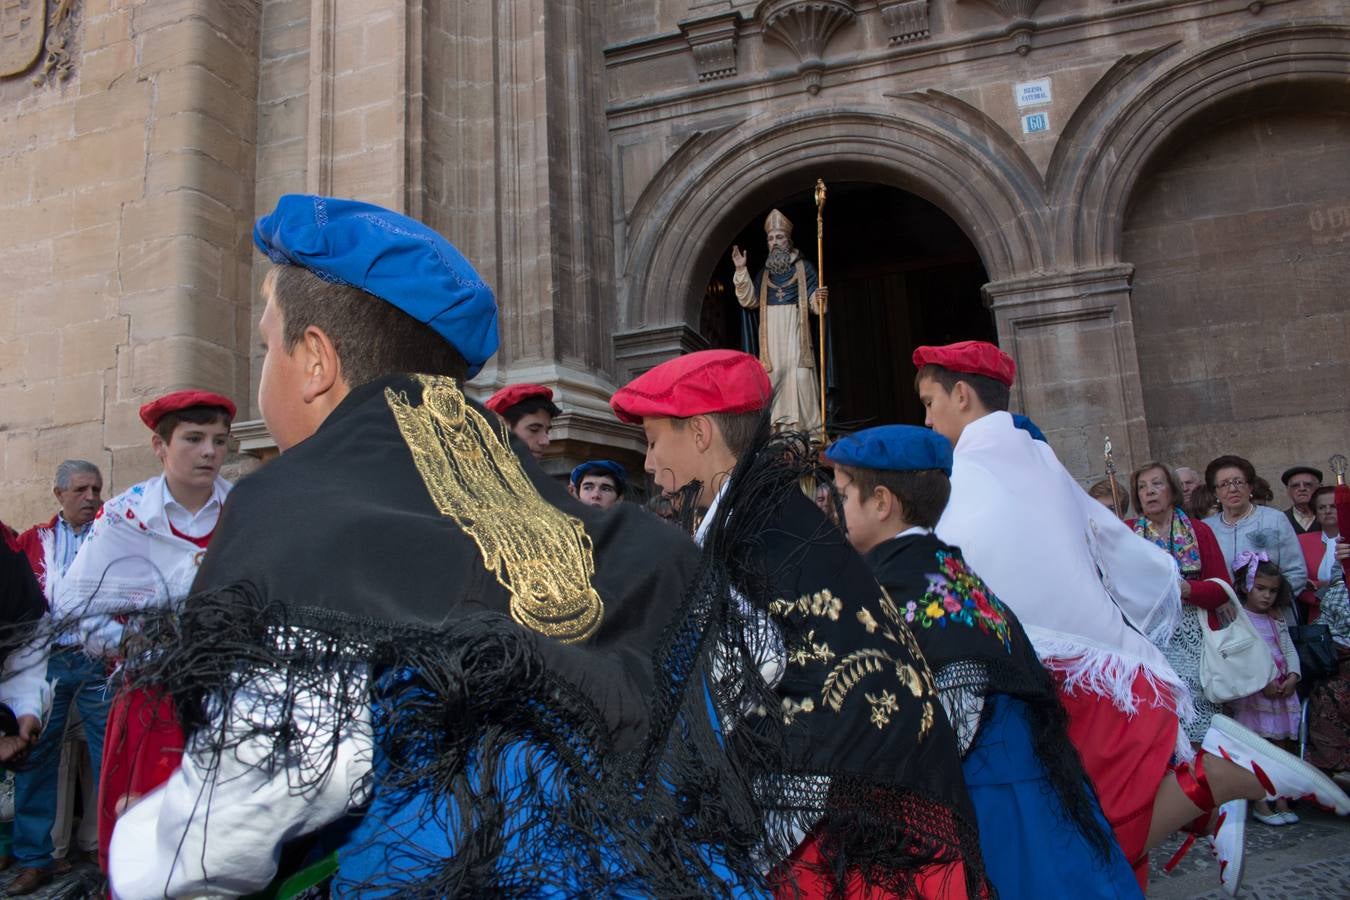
pixel 1301 481
pixel 1189 480
pixel 79 680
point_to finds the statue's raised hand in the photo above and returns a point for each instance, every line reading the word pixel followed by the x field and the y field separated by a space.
pixel 738 256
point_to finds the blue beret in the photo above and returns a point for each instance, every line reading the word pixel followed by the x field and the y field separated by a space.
pixel 893 448
pixel 601 467
pixel 1022 422
pixel 397 259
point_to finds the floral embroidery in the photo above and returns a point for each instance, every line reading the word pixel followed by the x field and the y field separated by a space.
pixel 791 708
pixel 882 707
pixel 810 651
pixel 956 595
pixel 821 603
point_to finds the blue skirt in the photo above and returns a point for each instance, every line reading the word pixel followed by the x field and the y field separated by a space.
pixel 1031 847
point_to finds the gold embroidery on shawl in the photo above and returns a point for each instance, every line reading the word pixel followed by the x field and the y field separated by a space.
pixel 541 555
pixel 856 666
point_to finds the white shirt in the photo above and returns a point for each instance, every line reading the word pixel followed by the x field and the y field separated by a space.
pixel 200 523
pixel 1326 569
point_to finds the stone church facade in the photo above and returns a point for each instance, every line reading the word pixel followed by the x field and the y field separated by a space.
pixel 1147 202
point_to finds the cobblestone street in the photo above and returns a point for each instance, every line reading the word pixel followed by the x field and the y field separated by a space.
pixel 1307 861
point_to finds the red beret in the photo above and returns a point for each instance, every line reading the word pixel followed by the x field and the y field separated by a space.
pixel 710 381
pixel 970 357
pixel 512 394
pixel 152 412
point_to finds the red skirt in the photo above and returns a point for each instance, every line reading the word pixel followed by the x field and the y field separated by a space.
pixel 804 880
pixel 141 748
pixel 1127 756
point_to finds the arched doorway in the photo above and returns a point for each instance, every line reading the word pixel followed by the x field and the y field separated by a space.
pixel 901 273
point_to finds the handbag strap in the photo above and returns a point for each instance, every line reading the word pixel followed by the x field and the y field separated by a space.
pixel 1227 589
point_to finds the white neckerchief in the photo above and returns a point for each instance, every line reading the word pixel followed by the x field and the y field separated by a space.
pixel 1326 569
pixel 915 530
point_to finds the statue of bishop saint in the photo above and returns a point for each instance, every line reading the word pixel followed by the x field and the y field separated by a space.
pixel 783 292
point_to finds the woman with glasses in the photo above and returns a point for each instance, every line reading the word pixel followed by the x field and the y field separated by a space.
pixel 1241 524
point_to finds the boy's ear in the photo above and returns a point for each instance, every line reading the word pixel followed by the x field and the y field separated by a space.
pixel 704 432
pixel 322 365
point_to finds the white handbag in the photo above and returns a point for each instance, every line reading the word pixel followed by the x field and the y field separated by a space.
pixel 1234 661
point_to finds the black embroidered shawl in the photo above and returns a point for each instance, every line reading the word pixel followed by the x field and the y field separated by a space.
pixel 852 740
pixel 408 534
pixel 972 640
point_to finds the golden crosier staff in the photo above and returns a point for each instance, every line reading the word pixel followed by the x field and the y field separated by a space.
pixel 820 283
pixel 1111 476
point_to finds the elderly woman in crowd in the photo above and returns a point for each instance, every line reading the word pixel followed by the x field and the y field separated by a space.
pixel 1319 544
pixel 1329 709
pixel 1241 525
pixel 1157 498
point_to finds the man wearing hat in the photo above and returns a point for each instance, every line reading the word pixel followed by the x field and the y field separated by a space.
pixel 786 294
pixel 1041 829
pixel 1301 482
pixel 598 482
pixel 144 551
pixel 411 662
pixel 1091 594
pixel 867 794
pixel 529 410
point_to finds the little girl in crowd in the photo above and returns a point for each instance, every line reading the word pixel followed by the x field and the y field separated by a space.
pixel 1274 711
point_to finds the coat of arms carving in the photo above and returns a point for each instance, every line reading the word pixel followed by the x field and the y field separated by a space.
pixel 23 23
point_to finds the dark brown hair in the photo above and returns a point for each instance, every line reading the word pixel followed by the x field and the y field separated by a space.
pixel 372 338
pixel 922 493
pixel 993 395
pixel 1229 461
pixel 1175 486
pixel 195 415
pixel 513 414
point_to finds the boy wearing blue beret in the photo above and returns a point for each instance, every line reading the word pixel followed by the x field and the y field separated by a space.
pixel 1041 831
pixel 412 665
pixel 598 482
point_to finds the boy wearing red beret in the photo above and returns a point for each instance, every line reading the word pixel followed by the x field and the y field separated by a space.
pixel 529 410
pixel 866 797
pixel 144 550
pixel 1094 599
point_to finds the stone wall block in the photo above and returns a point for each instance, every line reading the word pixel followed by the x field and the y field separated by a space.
pixel 100 68
pixel 169 172
pixel 177 362
pixel 184 212
pixel 101 31
pixel 103 204
pixel 195 40
pixel 197 131
pixel 40 356
pixel 92 346
pixel 164 313
pixel 51 306
pixel 27 404
pixel 91 251
pixel 28 222
pixel 125 103
pixel 21 457
pixel 79 398
pixel 192 89
pixel 113 155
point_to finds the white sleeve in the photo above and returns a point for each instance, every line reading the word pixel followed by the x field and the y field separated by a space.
pixel 23 686
pixel 220 833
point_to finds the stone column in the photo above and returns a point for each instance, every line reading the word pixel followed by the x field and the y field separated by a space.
pixel 1072 336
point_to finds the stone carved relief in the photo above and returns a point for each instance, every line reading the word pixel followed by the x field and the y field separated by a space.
pixel 26 35
pixel 22 25
pixel 906 20
pixel 57 58
pixel 806 26
pixel 1014 9
pixel 713 42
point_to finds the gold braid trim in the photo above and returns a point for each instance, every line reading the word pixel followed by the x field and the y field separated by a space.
pixel 541 555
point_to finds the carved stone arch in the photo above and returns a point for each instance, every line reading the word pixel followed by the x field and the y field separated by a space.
pixel 1142 102
pixel 929 144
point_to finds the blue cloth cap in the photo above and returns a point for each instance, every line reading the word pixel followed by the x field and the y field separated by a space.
pixel 601 467
pixel 893 448
pixel 391 256
pixel 1022 422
